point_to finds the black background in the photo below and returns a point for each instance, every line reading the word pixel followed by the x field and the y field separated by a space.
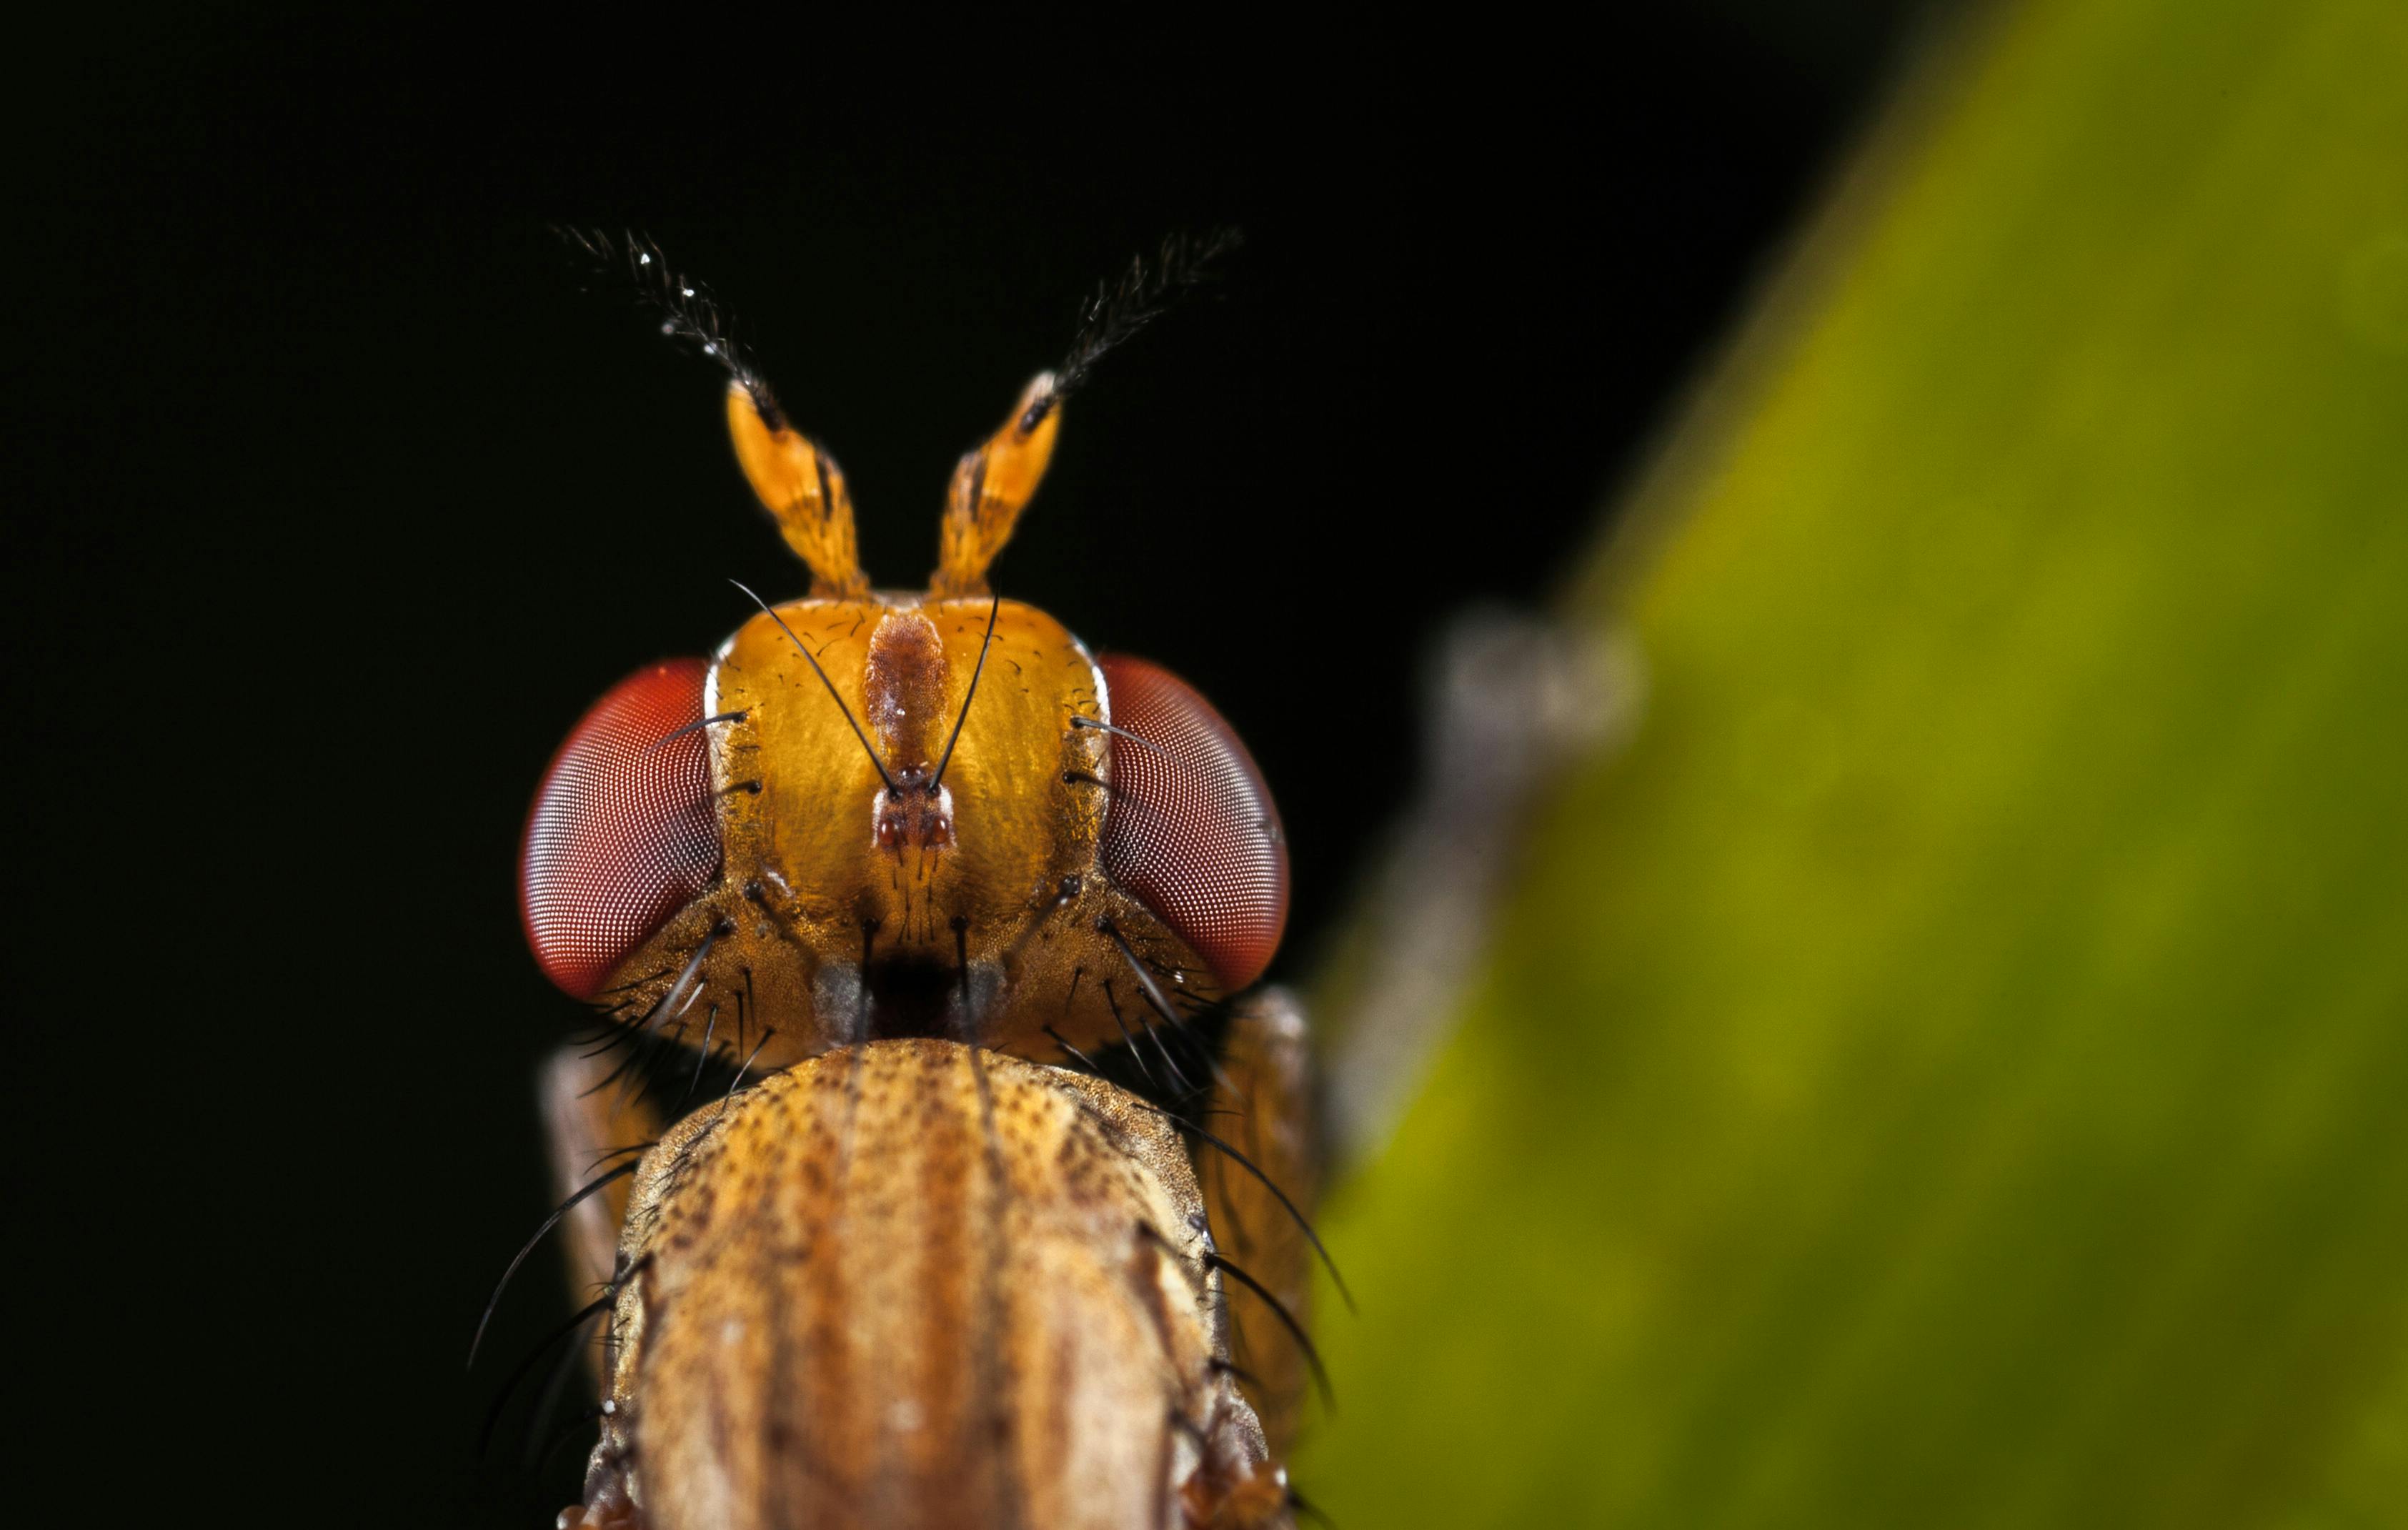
pixel 342 489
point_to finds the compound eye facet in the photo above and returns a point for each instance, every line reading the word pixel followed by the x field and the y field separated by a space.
pixel 1190 829
pixel 623 833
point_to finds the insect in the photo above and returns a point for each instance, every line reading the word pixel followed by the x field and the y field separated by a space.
pixel 950 1167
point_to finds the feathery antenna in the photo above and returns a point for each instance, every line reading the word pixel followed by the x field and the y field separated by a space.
pixel 689 313
pixel 1113 314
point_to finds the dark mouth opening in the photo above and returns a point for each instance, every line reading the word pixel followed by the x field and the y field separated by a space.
pixel 912 996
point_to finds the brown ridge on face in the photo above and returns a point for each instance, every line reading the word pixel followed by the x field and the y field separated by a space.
pixel 912 1284
pixel 904 687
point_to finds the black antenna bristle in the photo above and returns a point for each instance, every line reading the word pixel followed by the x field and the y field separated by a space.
pixel 1117 310
pixel 688 312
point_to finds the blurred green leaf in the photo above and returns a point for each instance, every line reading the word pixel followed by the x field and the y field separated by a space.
pixel 1953 1068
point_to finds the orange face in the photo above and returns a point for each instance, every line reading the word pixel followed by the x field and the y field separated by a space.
pixel 874 815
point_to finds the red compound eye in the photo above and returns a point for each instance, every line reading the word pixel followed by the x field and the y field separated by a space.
pixel 1191 830
pixel 623 833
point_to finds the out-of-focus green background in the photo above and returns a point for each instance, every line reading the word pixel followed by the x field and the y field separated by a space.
pixel 1952 1067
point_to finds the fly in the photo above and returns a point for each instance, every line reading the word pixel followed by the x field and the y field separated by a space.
pixel 971 921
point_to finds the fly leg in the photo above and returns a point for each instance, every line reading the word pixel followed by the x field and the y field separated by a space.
pixel 596 1125
pixel 1260 1179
